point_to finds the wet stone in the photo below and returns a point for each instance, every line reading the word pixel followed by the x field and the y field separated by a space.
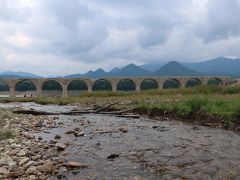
pixel 77 165
pixel 60 146
pixel 113 156
pixel 78 134
pixel 57 137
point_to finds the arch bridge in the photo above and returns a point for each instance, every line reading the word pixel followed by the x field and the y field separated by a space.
pixel 62 86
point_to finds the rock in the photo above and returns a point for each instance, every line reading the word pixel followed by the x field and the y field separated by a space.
pixel 3 170
pixel 123 129
pixel 113 156
pixel 77 129
pixel 13 153
pixel 11 141
pixel 6 160
pixel 21 153
pixel 77 165
pixel 34 158
pixel 24 161
pixel 40 138
pixel 70 132
pixel 46 168
pixel 32 177
pixel 30 163
pixel 155 126
pixel 29 136
pixel 78 134
pixel 32 170
pixel 53 142
pixel 57 137
pixel 39 124
pixel 16 174
pixel 60 146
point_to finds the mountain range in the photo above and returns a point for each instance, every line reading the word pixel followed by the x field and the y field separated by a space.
pixel 218 67
pixel 11 74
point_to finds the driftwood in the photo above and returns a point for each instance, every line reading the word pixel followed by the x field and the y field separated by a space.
pixel 105 107
pixel 118 112
pixel 34 112
pixel 99 110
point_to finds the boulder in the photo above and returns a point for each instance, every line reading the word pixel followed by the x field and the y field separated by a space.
pixel 46 168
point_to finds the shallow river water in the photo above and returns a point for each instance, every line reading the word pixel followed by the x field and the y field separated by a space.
pixel 150 149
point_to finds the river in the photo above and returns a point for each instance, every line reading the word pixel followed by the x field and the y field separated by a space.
pixel 143 148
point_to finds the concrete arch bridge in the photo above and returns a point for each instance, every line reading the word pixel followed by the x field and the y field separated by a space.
pixel 68 87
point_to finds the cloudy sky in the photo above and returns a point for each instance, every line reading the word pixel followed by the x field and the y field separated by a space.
pixel 56 37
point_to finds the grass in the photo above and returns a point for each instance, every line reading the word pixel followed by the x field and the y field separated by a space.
pixel 7 134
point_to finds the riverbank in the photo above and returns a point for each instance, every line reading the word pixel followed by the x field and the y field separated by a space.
pixel 206 105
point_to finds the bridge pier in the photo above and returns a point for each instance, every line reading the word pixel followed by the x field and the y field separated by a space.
pixel 65 91
pixel 39 90
pixel 138 87
pixel 12 93
pixel 90 88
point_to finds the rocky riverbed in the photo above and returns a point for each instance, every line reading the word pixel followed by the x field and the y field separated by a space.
pixel 90 146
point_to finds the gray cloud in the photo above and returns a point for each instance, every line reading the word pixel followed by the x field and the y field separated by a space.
pixel 222 20
pixel 55 35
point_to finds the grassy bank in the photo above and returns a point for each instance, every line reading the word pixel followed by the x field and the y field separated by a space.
pixel 223 102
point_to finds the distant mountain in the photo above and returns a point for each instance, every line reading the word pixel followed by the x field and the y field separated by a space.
pixel 90 74
pixel 114 71
pixel 132 70
pixel 152 67
pixel 11 74
pixel 174 68
pixel 74 76
pixel 218 66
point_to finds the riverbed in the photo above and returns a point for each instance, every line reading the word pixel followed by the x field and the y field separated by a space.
pixel 127 148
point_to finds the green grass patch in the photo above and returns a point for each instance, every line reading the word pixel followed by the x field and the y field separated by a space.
pixel 7 135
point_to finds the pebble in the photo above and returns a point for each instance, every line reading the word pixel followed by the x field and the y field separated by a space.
pixel 123 129
pixel 78 134
pixel 21 153
pixel 60 146
pixel 24 161
pixel 16 174
pixel 73 164
pixel 3 170
pixel 57 137
pixel 32 170
pixel 46 168
pixel 70 132
pixel 30 163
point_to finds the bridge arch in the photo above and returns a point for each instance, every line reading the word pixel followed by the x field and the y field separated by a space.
pixel 102 85
pixel 171 83
pixel 126 84
pixel 25 87
pixel 215 81
pixel 52 87
pixel 4 88
pixel 148 84
pixel 193 82
pixel 75 87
